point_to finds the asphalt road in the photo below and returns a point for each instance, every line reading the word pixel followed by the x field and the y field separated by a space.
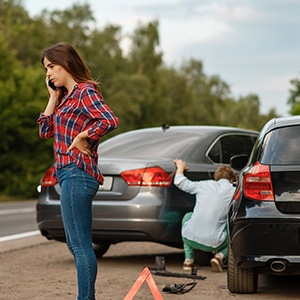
pixel 17 217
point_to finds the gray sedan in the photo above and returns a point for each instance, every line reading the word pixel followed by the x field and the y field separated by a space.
pixel 138 201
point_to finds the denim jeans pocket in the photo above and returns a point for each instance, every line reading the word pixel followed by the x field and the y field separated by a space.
pixel 66 172
pixel 91 184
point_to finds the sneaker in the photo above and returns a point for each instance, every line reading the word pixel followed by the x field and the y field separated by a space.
pixel 216 264
pixel 188 264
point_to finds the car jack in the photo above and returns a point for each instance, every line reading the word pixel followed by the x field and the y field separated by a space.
pixel 160 270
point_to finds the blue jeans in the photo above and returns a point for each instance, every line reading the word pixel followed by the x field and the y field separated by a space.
pixel 77 191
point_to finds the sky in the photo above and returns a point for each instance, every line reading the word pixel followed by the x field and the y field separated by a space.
pixel 253 45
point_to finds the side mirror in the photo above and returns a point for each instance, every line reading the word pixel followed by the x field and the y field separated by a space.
pixel 238 162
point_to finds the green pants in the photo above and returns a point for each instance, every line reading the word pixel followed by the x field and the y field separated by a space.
pixel 189 245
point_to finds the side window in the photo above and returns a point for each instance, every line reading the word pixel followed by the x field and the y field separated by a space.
pixel 230 145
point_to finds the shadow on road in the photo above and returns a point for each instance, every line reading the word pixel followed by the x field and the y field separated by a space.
pixel 279 285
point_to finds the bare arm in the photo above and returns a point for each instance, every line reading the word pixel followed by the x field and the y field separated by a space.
pixel 50 108
pixel 45 120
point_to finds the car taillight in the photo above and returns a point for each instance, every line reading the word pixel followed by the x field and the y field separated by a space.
pixel 154 176
pixel 49 178
pixel 258 184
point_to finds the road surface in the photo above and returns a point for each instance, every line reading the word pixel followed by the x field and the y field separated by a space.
pixel 45 271
pixel 33 268
pixel 17 219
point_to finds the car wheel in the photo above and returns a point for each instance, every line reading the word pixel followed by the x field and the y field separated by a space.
pixel 100 248
pixel 243 281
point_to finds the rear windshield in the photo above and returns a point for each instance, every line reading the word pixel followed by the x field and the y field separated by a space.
pixel 281 146
pixel 148 144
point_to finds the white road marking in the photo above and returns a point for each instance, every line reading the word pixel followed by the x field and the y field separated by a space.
pixel 16 211
pixel 18 236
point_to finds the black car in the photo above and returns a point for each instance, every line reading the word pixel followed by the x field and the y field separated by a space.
pixel 264 215
pixel 138 201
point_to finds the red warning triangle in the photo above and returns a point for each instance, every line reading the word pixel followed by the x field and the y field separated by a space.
pixel 145 275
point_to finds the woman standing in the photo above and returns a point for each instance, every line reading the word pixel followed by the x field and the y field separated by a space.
pixel 76 117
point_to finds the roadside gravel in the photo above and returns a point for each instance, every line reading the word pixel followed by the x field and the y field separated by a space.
pixel 37 269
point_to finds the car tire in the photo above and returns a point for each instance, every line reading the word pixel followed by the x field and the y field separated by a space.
pixel 100 248
pixel 242 281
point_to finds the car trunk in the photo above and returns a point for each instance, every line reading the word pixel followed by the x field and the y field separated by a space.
pixel 114 187
pixel 286 186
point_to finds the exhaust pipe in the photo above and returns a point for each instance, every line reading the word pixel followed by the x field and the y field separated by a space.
pixel 278 266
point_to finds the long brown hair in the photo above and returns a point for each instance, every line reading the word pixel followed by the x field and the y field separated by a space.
pixel 66 55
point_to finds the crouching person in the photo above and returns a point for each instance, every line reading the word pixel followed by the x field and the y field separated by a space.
pixel 206 227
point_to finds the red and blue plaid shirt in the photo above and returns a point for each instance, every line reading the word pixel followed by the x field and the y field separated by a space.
pixel 83 109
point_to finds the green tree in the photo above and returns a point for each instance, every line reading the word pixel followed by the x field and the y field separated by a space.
pixel 70 25
pixel 24 36
pixel 176 98
pixel 23 155
pixel 104 55
pixel 208 94
pixel 294 98
pixel 244 113
pixel 129 94
pixel 144 50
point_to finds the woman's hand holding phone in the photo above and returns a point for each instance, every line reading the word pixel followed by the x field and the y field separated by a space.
pixel 51 84
pixel 53 90
pixel 53 98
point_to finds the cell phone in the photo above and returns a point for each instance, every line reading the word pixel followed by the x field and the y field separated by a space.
pixel 51 84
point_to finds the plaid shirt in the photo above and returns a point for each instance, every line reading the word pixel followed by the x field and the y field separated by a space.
pixel 81 110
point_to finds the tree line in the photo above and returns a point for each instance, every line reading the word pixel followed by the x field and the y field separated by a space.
pixel 139 87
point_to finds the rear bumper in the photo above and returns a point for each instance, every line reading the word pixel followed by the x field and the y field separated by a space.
pixel 114 230
pixel 258 242
pixel 139 219
pixel 290 265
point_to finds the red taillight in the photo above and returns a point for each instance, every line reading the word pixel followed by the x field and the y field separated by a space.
pixel 154 176
pixel 258 184
pixel 49 178
pixel 133 177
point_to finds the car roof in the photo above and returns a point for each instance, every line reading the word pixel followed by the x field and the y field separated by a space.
pixel 193 129
pixel 281 122
pixel 294 120
pixel 169 140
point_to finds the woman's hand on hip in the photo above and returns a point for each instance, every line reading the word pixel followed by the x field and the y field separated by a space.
pixel 81 144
